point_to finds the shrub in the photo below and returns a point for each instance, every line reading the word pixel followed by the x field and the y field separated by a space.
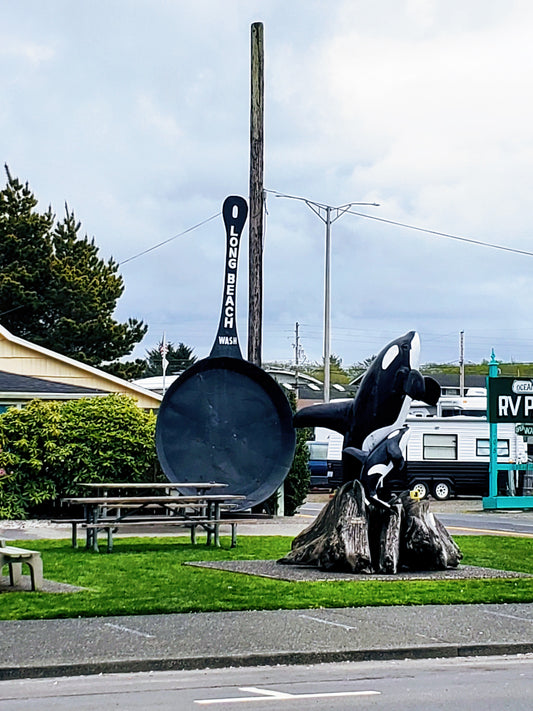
pixel 47 448
pixel 296 483
pixel 297 480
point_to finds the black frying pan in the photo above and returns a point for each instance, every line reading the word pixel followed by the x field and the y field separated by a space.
pixel 225 419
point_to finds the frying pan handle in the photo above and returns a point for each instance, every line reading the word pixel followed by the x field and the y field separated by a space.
pixel 234 212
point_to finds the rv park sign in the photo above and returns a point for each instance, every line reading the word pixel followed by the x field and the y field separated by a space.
pixel 511 400
pixel 508 400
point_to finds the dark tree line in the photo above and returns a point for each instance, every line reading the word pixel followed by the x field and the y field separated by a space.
pixel 55 290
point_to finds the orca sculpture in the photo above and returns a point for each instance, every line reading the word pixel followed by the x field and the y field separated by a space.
pixel 387 456
pixel 381 403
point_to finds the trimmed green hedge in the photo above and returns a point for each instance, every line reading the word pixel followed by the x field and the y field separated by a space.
pixel 47 448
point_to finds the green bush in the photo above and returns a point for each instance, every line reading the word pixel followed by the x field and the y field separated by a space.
pixel 296 483
pixel 297 480
pixel 47 448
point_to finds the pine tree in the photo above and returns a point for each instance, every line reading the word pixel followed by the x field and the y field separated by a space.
pixel 179 358
pixel 25 255
pixel 54 288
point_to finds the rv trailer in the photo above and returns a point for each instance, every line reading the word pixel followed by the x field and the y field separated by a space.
pixel 446 456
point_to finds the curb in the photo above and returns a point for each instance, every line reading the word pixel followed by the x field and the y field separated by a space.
pixel 252 660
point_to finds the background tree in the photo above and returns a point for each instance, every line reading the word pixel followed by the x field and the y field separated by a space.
pixel 336 371
pixel 54 288
pixel 299 476
pixel 296 483
pixel 179 358
pixel 357 369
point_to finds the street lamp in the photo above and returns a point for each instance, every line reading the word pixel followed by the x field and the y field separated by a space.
pixel 328 214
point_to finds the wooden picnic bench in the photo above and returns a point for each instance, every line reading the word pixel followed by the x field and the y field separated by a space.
pixel 111 525
pixel 211 526
pixel 192 511
pixel 14 557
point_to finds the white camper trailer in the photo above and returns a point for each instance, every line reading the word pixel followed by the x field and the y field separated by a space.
pixel 446 456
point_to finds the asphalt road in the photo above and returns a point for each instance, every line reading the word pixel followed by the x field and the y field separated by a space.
pixel 473 683
pixel 460 516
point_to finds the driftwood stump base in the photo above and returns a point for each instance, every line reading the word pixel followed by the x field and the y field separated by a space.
pixel 351 535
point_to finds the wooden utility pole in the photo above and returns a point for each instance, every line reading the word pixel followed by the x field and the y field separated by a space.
pixel 255 224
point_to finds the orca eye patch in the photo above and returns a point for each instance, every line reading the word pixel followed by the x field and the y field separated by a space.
pixel 389 356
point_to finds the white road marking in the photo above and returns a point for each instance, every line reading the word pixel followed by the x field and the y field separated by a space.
pixel 266 692
pixel 268 695
pixel 122 628
pixel 328 622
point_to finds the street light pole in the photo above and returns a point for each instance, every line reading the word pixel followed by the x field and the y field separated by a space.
pixel 325 213
pixel 327 306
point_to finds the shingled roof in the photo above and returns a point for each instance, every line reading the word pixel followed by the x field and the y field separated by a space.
pixel 23 384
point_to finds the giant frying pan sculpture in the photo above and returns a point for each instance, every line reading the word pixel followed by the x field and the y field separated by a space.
pixel 225 419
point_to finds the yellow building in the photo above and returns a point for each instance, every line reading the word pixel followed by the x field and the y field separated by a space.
pixel 28 371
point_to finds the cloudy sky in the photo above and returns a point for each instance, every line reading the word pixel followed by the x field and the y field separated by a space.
pixel 136 113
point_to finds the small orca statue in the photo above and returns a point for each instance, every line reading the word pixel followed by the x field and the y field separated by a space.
pixel 381 403
pixel 387 456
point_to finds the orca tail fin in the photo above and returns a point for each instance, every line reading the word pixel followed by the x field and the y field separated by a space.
pixel 333 415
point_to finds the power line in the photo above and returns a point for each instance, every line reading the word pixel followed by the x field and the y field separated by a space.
pixel 166 241
pixel 480 243
pixel 345 210
pixel 413 227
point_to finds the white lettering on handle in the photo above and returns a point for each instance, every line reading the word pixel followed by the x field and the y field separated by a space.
pixel 229 292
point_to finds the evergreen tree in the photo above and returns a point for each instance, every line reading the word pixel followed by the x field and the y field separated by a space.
pixel 297 480
pixel 54 288
pixel 336 372
pixel 179 358
pixel 25 255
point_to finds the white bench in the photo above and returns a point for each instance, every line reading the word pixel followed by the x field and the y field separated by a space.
pixel 14 557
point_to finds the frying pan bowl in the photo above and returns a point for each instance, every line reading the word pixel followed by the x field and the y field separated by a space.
pixel 228 421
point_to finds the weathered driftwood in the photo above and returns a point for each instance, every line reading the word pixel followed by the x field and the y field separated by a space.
pixel 338 538
pixel 425 543
pixel 352 535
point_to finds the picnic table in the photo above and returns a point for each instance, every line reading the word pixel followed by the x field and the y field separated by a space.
pixel 115 506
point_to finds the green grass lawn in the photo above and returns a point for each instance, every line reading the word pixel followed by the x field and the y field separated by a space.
pixel 148 575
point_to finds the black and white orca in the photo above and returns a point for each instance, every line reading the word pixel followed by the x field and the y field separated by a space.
pixel 377 464
pixel 382 401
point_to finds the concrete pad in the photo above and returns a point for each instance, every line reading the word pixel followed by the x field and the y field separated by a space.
pixel 302 573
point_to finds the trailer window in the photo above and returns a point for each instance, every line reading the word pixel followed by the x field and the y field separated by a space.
pixel 483 448
pixel 318 450
pixel 440 446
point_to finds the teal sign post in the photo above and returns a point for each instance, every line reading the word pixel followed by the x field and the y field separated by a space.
pixel 508 400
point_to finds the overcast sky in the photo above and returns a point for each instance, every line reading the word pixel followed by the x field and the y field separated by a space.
pixel 136 113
